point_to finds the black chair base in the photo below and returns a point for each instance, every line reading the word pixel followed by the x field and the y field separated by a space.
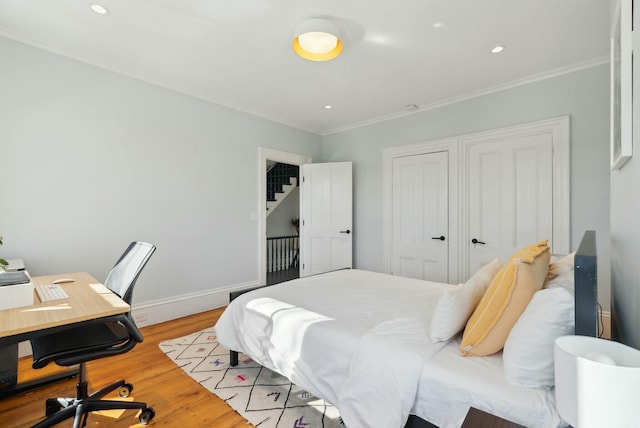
pixel 60 409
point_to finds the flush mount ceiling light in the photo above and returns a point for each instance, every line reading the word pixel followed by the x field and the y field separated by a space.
pixel 497 49
pixel 317 39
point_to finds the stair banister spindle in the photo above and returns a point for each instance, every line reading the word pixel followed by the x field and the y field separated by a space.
pixel 282 252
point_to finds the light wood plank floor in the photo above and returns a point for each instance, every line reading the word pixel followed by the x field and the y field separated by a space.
pixel 178 400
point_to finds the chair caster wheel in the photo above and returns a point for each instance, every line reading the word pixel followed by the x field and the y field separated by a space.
pixel 125 390
pixel 146 415
pixel 52 406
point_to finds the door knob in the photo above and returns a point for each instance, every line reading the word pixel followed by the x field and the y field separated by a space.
pixel 441 238
pixel 345 231
pixel 475 241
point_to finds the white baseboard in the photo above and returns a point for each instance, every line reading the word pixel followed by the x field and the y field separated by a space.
pixel 161 310
pixel 157 311
pixel 24 349
pixel 606 324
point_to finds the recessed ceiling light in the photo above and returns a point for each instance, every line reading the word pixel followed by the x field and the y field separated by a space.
pixel 497 49
pixel 438 25
pixel 411 107
pixel 99 9
pixel 328 107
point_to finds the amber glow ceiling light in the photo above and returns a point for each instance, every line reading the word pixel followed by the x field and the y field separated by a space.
pixel 317 39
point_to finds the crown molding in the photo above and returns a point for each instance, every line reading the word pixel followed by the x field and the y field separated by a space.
pixel 475 94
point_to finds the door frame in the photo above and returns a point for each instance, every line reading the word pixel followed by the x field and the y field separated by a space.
pixel 265 154
pixel 449 145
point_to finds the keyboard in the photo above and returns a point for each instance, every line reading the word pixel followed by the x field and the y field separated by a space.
pixel 50 292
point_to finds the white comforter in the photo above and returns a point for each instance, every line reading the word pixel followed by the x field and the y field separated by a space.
pixel 361 347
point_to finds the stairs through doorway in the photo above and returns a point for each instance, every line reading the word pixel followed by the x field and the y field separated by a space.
pixel 281 180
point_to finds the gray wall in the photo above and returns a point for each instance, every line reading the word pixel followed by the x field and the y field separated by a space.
pixel 583 95
pixel 625 238
pixel 91 160
pixel 625 252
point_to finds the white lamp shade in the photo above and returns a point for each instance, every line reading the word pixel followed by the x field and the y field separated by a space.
pixel 597 382
pixel 317 42
pixel 317 39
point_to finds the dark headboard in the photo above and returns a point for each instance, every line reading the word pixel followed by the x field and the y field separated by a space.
pixel 586 286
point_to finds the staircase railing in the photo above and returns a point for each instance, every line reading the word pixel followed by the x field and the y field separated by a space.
pixel 282 252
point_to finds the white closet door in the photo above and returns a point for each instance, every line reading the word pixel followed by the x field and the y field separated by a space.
pixel 326 217
pixel 510 196
pixel 420 216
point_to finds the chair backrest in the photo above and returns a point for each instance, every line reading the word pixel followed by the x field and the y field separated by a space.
pixel 125 273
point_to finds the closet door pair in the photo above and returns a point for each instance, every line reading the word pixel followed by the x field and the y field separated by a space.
pixel 467 200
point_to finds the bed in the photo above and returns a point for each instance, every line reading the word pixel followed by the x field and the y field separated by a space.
pixel 365 342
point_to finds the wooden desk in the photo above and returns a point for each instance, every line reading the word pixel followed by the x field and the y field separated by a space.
pixel 88 301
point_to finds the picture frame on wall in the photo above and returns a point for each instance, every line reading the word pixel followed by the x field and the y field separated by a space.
pixel 622 84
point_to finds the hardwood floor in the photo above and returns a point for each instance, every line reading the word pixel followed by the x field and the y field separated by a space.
pixel 178 400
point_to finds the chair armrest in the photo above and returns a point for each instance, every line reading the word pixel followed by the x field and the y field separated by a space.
pixel 135 337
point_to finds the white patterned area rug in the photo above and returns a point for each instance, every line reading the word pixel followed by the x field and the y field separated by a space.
pixel 264 398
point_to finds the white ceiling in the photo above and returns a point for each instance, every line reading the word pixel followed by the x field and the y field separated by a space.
pixel 238 52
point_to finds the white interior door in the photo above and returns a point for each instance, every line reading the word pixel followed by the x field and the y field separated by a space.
pixel 510 196
pixel 326 231
pixel 421 216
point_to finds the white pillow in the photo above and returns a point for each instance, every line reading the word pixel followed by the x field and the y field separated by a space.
pixel 528 351
pixel 563 278
pixel 456 306
pixel 567 260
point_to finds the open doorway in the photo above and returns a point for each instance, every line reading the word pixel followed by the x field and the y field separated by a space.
pixel 283 222
pixel 281 225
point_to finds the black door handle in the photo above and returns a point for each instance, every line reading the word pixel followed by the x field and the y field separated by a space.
pixel 475 241
pixel 345 231
pixel 441 238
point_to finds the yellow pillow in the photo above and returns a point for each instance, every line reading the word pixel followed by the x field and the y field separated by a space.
pixel 507 297
pixel 530 252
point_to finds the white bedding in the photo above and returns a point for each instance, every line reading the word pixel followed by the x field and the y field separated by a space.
pixel 450 384
pixel 359 340
pixel 323 338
